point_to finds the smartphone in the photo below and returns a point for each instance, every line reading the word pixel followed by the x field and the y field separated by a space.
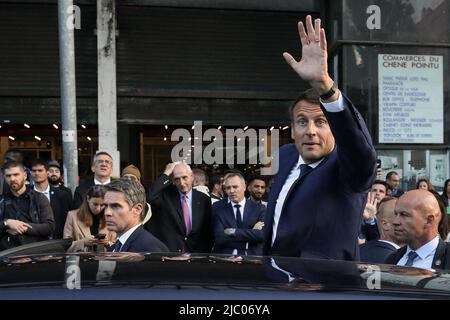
pixel 100 236
pixel 378 163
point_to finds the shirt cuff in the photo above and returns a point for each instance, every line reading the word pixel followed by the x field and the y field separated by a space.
pixel 335 106
pixel 370 222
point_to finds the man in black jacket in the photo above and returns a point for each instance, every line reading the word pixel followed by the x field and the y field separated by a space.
pixel 181 215
pixel 25 215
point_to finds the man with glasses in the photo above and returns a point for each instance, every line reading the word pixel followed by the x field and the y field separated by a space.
pixel 102 166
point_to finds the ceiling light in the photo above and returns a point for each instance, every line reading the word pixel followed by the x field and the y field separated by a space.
pixel 11 138
pixel 89 138
pixel 37 138
pixel 26 125
pixel 55 126
pixel 83 126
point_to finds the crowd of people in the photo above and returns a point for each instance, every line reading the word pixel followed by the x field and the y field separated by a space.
pixel 321 204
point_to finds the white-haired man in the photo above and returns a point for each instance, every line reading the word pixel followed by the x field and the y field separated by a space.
pixel 181 215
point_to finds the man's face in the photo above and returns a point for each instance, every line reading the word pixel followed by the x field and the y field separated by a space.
pixel 235 189
pixel 257 188
pixel 387 212
pixel 394 181
pixel 119 216
pixel 182 178
pixel 311 132
pixel 15 178
pixel 54 174
pixel 379 191
pixel 102 166
pixel 39 173
pixel 409 222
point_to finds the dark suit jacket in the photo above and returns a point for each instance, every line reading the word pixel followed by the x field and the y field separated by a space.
pixel 224 218
pixel 376 251
pixel 370 231
pixel 80 192
pixel 441 258
pixel 61 204
pixel 167 222
pixel 143 241
pixel 322 213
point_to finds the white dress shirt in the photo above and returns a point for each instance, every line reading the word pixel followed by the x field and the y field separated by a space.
pixel 425 255
pixel 96 182
pixel 335 106
pixel 45 192
pixel 124 237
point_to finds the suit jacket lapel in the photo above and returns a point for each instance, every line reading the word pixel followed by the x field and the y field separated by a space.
pixel 131 238
pixel 196 212
pixel 439 256
pixel 175 197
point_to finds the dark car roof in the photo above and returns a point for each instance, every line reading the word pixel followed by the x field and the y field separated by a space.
pixel 197 276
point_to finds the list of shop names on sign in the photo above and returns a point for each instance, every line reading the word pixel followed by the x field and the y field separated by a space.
pixel 410 99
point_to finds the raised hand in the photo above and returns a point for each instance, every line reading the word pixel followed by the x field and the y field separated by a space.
pixel 313 66
pixel 371 207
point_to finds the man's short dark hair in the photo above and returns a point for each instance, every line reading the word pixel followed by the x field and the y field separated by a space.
pixel 253 178
pixel 39 162
pixel 213 180
pixel 309 95
pixel 384 183
pixel 390 174
pixel 13 164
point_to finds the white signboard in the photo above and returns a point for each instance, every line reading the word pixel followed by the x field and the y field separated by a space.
pixel 410 92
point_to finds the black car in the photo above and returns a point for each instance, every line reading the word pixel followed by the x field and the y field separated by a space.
pixel 44 271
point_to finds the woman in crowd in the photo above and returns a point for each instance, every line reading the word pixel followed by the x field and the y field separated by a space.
pixel 424 184
pixel 86 226
pixel 446 193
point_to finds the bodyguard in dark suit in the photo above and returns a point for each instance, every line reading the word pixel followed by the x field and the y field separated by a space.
pixel 318 196
pixel 417 217
pixel 124 213
pixel 181 216
pixel 238 222
pixel 102 166
pixel 376 251
pixel 58 198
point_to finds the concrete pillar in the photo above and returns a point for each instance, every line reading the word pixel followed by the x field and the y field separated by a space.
pixel 107 97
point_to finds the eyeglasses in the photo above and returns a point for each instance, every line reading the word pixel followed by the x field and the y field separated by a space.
pixel 108 162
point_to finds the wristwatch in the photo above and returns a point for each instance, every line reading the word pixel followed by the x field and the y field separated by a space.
pixel 330 92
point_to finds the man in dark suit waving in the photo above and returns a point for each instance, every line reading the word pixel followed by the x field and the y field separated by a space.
pixel 181 215
pixel 124 213
pixel 318 196
pixel 238 222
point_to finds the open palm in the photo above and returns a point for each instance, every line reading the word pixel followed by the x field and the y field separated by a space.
pixel 313 66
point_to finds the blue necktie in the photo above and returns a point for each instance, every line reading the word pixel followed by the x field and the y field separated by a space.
pixel 411 256
pixel 117 246
pixel 304 169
